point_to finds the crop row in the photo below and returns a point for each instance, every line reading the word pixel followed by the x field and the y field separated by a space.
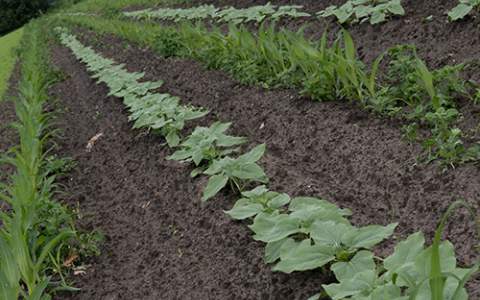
pixel 37 233
pixel 407 89
pixel 300 233
pixel 352 11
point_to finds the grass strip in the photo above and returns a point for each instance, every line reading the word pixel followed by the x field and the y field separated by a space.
pixel 7 57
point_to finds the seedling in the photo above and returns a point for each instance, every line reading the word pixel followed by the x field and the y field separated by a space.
pixel 256 201
pixel 163 113
pixel 233 15
pixel 462 9
pixel 374 11
pixel 237 172
pixel 205 145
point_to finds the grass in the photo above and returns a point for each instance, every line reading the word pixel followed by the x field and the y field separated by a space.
pixel 7 57
pixel 112 7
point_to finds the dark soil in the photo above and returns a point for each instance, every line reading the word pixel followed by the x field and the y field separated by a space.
pixel 162 243
pixel 8 135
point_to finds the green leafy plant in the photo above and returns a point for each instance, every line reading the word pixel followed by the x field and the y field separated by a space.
pixel 312 233
pixel 256 13
pixel 306 233
pixel 281 58
pixel 236 171
pixel 412 271
pixel 256 201
pixel 374 11
pixel 462 9
pixel 205 145
pixel 178 14
pixel 163 113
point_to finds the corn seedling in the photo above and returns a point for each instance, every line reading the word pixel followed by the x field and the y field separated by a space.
pixel 35 228
pixel 374 11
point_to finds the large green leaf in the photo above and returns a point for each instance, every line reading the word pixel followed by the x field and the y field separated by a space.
pixel 253 155
pixel 272 250
pixel 301 256
pixel 273 227
pixel 248 171
pixel 362 261
pixel 358 285
pixel 244 208
pixel 459 11
pixel 368 236
pixel 402 260
pixel 330 233
pixel 214 185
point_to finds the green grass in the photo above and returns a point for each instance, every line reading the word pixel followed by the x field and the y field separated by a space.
pixel 7 57
pixel 108 6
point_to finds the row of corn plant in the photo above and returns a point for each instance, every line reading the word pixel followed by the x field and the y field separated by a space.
pixel 407 89
pixel 255 14
pixel 37 233
pixel 300 233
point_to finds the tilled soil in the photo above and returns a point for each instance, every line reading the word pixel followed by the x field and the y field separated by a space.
pixel 8 135
pixel 162 243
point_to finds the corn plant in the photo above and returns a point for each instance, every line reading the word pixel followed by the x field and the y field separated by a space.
pixel 35 227
pixel 204 145
pixel 463 9
pixel 374 11
pixel 236 171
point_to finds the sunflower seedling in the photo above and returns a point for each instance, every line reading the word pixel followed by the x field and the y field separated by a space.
pixel 237 172
pixel 205 145
pixel 374 11
pixel 258 200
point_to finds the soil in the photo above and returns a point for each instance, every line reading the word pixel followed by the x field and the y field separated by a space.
pixel 8 135
pixel 162 243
